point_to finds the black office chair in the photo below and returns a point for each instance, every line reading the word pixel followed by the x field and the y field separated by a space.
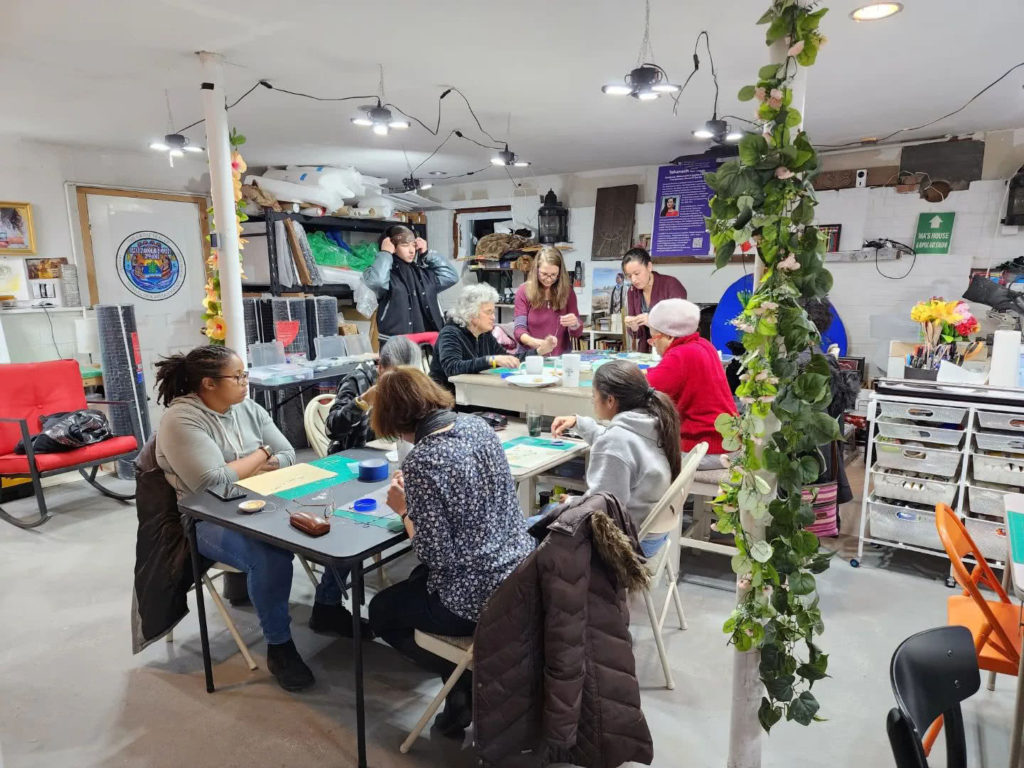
pixel 931 673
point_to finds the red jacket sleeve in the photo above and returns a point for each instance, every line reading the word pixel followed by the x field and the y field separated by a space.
pixel 666 376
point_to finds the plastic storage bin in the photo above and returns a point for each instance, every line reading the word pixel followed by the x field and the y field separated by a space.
pixel 989 536
pixel 1011 422
pixel 986 500
pixel 1000 441
pixel 918 458
pixel 907 525
pixel 935 435
pixel 935 414
pixel 890 485
pixel 1001 470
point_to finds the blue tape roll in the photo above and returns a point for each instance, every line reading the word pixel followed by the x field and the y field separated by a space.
pixel 373 470
pixel 365 505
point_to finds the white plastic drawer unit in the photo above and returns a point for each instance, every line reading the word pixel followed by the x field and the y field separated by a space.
pixel 1012 422
pixel 934 414
pixel 918 458
pixel 927 434
pixel 919 489
pixel 1002 470
pixel 907 525
pixel 990 536
pixel 1000 441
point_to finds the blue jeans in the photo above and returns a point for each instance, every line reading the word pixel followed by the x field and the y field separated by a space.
pixel 268 571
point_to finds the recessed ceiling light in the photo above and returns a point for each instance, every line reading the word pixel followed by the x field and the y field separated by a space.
pixel 876 11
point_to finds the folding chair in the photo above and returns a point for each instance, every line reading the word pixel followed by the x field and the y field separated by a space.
pixel 315 422
pixel 667 517
pixel 457 650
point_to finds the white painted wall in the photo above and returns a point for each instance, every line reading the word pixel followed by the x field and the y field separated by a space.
pixel 36 173
pixel 860 291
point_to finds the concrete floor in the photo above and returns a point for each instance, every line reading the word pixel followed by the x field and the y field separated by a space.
pixel 72 694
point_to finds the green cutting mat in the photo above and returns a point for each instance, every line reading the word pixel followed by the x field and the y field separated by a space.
pixel 345 470
pixel 391 522
pixel 537 442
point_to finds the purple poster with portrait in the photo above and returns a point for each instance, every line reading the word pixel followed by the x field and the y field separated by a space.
pixel 680 208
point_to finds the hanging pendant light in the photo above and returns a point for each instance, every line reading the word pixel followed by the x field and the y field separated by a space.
pixel 377 116
pixel 173 143
pixel 507 157
pixel 646 81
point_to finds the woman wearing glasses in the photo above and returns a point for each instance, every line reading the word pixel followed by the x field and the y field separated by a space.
pixel 211 436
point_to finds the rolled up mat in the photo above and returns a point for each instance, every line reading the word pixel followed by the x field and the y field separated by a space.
pixel 265 320
pixel 251 317
pixel 326 316
pixel 123 378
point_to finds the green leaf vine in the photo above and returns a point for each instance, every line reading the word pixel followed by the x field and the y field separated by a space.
pixel 766 197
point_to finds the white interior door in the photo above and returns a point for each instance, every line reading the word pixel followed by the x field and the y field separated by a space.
pixel 148 252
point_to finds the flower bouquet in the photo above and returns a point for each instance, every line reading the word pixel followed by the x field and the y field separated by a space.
pixel 943 323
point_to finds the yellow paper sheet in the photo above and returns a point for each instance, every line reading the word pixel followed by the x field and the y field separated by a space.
pixel 282 479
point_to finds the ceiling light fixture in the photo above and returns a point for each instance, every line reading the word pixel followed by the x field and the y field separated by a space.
pixel 412 184
pixel 876 11
pixel 507 157
pixel 378 117
pixel 174 144
pixel 718 131
pixel 646 81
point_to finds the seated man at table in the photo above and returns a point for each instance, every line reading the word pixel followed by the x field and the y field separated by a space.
pixel 466 344
pixel 211 436
pixel 691 374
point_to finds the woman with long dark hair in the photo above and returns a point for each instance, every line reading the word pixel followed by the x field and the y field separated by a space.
pixel 407 279
pixel 647 288
pixel 636 456
pixel 211 436
pixel 547 314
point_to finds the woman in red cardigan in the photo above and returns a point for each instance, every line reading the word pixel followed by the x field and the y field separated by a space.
pixel 691 373
pixel 648 288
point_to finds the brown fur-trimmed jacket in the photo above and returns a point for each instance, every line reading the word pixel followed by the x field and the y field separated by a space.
pixel 554 672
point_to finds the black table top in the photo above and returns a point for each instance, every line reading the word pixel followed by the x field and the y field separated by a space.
pixel 347 540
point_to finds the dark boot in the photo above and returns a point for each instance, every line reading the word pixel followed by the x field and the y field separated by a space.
pixel 336 619
pixel 458 709
pixel 235 589
pixel 287 666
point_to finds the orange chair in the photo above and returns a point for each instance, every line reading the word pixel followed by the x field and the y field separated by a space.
pixel 995 625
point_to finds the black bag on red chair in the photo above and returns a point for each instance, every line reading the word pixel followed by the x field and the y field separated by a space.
pixel 68 431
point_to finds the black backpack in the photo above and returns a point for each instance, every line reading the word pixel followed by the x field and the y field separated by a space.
pixel 67 431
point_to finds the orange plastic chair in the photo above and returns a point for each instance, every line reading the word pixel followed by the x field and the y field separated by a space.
pixel 995 625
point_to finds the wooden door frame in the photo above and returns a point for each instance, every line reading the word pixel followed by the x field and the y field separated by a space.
pixel 455 222
pixel 82 192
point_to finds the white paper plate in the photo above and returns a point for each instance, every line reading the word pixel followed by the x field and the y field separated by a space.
pixel 528 380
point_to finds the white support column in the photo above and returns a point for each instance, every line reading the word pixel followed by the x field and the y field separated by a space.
pixel 222 191
pixel 745 733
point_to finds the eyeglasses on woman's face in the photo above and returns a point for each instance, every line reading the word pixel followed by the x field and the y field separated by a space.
pixel 239 378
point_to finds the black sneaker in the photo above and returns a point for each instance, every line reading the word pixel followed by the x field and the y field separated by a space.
pixel 287 666
pixel 458 712
pixel 336 619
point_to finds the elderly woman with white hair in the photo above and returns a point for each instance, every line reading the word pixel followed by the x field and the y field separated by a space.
pixel 466 344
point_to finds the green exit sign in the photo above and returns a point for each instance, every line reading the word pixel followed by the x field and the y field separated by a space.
pixel 934 231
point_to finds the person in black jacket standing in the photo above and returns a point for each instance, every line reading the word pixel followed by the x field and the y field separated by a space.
pixel 466 344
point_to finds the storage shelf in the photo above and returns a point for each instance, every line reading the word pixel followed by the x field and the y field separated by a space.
pixel 40 310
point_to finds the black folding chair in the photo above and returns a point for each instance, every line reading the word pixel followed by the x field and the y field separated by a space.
pixel 931 673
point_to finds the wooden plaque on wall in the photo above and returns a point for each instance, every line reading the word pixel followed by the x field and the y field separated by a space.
pixel 614 216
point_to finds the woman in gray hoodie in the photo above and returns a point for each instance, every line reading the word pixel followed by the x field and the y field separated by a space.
pixel 211 436
pixel 637 455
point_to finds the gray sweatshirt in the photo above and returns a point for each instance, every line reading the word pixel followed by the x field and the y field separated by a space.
pixel 625 461
pixel 195 444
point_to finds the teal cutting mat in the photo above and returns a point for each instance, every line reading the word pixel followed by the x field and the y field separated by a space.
pixel 391 522
pixel 345 470
pixel 538 442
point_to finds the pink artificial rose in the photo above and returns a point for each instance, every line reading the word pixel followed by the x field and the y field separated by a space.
pixel 774 103
pixel 760 94
pixel 796 49
pixel 782 172
pixel 789 264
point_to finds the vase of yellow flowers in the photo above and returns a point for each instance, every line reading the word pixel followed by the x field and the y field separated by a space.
pixel 943 324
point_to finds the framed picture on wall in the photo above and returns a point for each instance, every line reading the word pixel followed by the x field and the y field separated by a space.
pixel 832 232
pixel 17 238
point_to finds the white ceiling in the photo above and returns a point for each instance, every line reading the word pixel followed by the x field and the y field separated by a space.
pixel 94 74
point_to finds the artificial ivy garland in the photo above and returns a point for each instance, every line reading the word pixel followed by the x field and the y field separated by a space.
pixel 766 197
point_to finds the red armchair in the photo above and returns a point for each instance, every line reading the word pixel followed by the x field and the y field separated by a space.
pixel 29 391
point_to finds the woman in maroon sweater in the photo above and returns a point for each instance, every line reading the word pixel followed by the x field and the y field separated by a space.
pixel 648 288
pixel 547 316
pixel 691 373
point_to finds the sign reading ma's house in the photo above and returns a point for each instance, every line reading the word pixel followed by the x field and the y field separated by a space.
pixel 934 231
